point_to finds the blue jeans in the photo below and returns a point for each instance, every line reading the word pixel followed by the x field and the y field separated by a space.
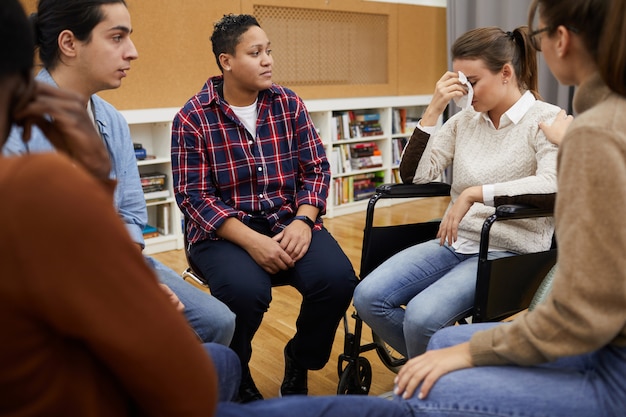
pixel 227 368
pixel 416 292
pixel 210 318
pixel 228 371
pixel 327 406
pixel 587 385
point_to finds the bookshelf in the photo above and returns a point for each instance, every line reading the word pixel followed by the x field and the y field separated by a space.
pixel 152 128
pixel 380 124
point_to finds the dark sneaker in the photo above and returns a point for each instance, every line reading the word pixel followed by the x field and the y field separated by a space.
pixel 248 392
pixel 295 381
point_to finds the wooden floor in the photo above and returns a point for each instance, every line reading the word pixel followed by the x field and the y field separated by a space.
pixel 279 323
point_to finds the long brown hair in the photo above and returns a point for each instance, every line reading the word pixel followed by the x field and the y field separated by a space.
pixel 612 48
pixel 584 17
pixel 496 48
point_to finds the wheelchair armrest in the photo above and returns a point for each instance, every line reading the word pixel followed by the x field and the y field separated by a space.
pixel 521 211
pixel 525 206
pixel 431 189
pixel 542 206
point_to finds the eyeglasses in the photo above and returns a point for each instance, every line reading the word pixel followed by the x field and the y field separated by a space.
pixel 536 41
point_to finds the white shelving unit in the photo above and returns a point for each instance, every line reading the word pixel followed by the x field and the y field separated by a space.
pixel 152 128
pixel 322 112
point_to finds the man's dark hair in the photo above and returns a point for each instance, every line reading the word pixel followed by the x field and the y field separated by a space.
pixel 16 51
pixel 55 16
pixel 227 31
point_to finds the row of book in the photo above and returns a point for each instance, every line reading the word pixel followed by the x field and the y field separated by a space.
pixel 154 185
pixel 352 124
pixel 401 123
pixel 356 187
pixel 356 156
pixel 162 222
pixel 397 146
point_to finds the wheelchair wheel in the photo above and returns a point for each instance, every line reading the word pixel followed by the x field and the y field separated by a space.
pixel 390 357
pixel 348 383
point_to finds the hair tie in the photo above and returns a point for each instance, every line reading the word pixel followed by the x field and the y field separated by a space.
pixel 510 35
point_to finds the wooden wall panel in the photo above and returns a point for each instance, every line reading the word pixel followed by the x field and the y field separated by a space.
pixel 388 60
pixel 175 57
pixel 422 55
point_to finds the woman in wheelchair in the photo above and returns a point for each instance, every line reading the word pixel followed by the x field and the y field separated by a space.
pixel 567 357
pixel 494 148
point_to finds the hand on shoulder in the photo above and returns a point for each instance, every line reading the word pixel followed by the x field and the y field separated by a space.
pixel 556 131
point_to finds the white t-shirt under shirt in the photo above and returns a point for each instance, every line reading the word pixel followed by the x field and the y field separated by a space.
pixel 248 116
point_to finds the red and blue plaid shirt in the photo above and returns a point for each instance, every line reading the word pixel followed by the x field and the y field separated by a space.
pixel 221 171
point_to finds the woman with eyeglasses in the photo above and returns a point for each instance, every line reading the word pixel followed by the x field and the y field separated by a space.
pixel 568 356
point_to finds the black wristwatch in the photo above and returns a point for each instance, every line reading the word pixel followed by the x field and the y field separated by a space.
pixel 307 220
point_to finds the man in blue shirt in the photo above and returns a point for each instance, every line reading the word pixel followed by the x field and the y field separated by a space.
pixel 87 60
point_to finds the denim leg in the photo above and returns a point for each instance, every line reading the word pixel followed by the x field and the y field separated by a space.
pixel 228 370
pixel 567 387
pixel 331 406
pixel 380 298
pixel 211 319
pixel 442 303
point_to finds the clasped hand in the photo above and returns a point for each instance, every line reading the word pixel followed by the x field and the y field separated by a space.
pixel 283 250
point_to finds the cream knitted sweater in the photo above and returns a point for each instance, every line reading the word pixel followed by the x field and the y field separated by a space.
pixel 516 158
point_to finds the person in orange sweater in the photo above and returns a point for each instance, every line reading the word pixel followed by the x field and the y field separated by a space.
pixel 81 343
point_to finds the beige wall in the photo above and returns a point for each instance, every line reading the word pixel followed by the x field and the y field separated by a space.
pixel 175 55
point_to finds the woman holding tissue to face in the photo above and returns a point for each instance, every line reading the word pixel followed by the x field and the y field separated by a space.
pixel 495 148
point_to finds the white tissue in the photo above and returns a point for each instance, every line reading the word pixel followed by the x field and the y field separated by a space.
pixel 465 101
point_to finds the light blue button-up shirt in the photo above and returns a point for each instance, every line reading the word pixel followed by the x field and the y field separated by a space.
pixel 128 199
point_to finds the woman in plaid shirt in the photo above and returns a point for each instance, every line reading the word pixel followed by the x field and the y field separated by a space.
pixel 251 177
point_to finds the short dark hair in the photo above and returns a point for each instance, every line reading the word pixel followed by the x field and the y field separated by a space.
pixel 55 16
pixel 227 31
pixel 16 51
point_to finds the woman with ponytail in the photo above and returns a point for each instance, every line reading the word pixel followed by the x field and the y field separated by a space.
pixel 495 149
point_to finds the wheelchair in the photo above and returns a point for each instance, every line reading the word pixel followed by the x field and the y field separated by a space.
pixel 504 287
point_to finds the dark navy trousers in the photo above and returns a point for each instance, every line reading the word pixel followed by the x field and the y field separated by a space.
pixel 324 277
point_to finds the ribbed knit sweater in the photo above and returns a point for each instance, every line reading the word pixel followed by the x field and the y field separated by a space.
pixel 516 158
